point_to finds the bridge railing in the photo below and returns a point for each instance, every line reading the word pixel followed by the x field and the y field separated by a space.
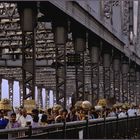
pixel 109 128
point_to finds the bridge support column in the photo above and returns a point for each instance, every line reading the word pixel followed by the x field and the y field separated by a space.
pixel 73 100
pixel 0 88
pixel 10 83
pixel 47 97
pixel 137 98
pixel 132 83
pixel 125 69
pixel 79 37
pixel 40 100
pixel 54 97
pixel 94 55
pixel 106 72
pixel 116 75
pixel 101 81
pixel 21 93
pixel 28 14
pixel 60 37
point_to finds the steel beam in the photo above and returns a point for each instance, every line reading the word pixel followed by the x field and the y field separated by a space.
pixel 106 74
pixel 0 88
pixel 39 98
pixel 54 97
pixel 101 72
pixel 116 76
pixel 125 88
pixel 10 83
pixel 137 98
pixel 28 67
pixel 47 103
pixel 132 84
pixel 60 37
pixel 28 16
pixel 21 93
pixel 94 56
pixel 101 81
pixel 111 81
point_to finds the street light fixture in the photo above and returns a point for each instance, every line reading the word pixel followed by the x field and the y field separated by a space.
pixel 28 21
pixel 28 15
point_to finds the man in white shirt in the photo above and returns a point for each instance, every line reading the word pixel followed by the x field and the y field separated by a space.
pixel 122 112
pixel 18 112
pixel 132 111
pixel 25 119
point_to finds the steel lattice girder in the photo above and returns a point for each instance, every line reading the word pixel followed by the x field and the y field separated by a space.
pixel 11 44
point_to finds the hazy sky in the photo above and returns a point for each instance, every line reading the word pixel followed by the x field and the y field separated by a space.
pixel 5 93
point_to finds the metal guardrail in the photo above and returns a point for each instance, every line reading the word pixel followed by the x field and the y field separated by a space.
pixel 108 128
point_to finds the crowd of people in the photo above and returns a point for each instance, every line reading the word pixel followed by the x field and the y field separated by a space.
pixel 82 110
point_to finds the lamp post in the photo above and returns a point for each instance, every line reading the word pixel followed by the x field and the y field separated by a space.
pixel 137 97
pixel 94 45
pixel 59 25
pixel 28 18
pixel 79 39
pixel 107 54
pixel 125 70
pixel 116 74
pixel 132 82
